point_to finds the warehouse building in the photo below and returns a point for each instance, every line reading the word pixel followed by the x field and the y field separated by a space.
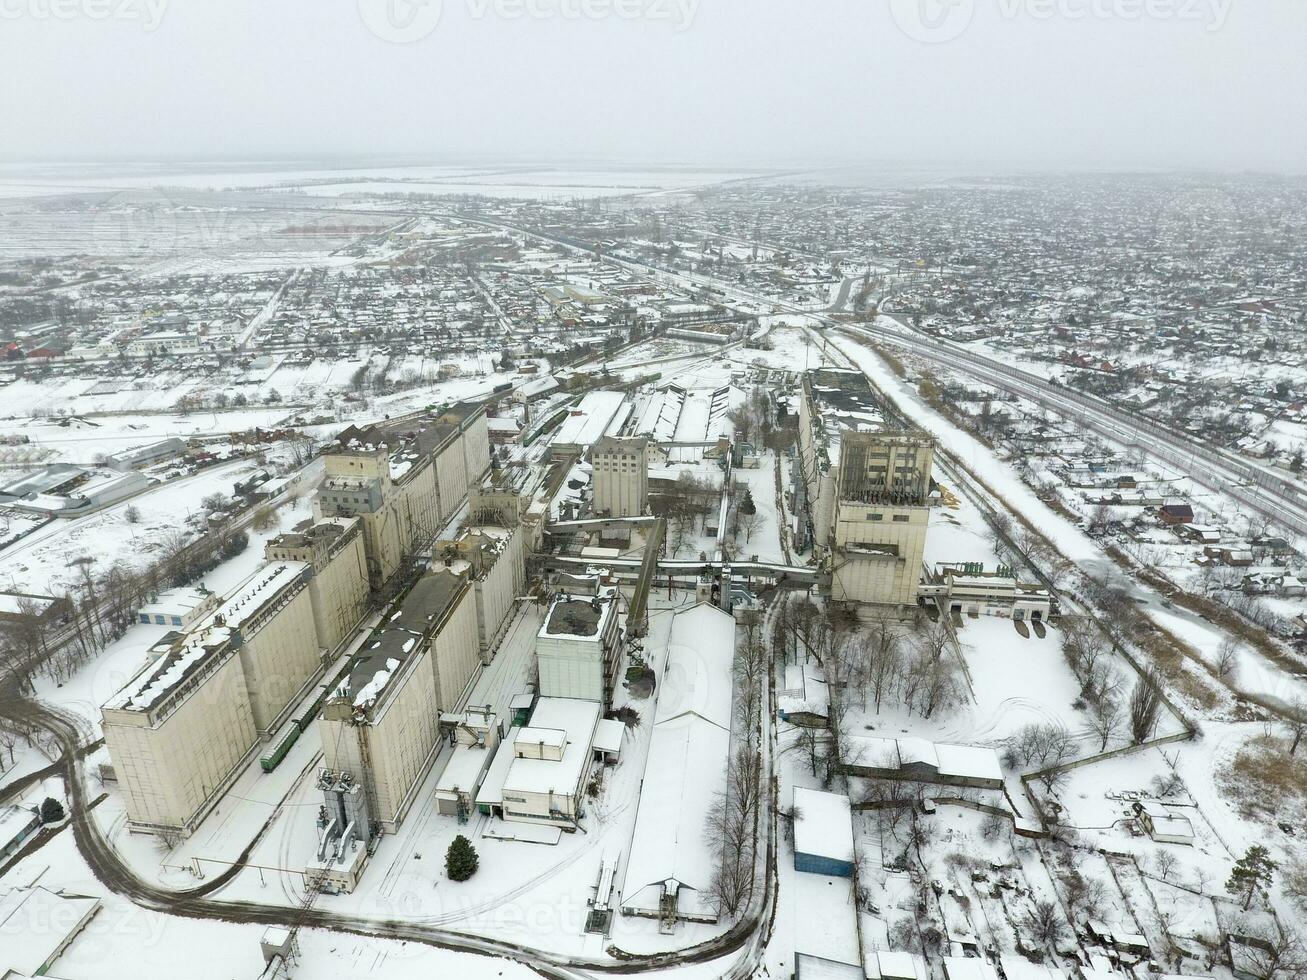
pixel 669 862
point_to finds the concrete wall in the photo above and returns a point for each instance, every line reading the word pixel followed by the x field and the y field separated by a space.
pixel 339 594
pixel 451 477
pixel 571 667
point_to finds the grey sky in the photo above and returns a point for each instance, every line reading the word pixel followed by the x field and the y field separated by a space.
pixel 1029 83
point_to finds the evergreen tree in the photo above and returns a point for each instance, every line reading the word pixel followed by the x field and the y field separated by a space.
pixel 52 811
pixel 1255 869
pixel 461 859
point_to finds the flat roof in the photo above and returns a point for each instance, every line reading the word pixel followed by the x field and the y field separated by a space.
pixel 575 717
pixel 491 792
pixel 609 734
pixel 975 761
pixel 428 600
pixel 177 600
pixel 579 616
pixel 968 968
pixel 467 764
pixel 825 824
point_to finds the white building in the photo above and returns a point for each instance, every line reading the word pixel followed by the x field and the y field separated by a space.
pixel 669 862
pixel 579 647
pixel 551 758
pixel 178 608
pixel 621 477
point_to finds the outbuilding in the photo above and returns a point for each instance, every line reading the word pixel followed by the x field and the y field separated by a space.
pixel 823 833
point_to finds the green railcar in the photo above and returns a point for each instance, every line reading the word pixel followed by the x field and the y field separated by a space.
pixel 273 759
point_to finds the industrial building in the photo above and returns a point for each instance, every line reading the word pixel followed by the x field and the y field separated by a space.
pixel 333 553
pixel 477 734
pixel 495 559
pixel 669 862
pixel 404 482
pixel 179 608
pixel 545 765
pixel 579 647
pixel 621 477
pixel 599 413
pixel 968 589
pixel 866 492
pixel 126 459
pixel 832 402
pixel 182 728
pixel 179 732
pixel 918 760
pixel 38 925
pixel 882 510
pixel 381 726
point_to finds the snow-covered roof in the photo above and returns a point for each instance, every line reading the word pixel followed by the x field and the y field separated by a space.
pixel 696 677
pixel 37 924
pixel 968 968
pixel 257 591
pixel 686 765
pixel 608 735
pixel 898 965
pixel 467 763
pixel 824 827
pixel 973 761
pixel 1019 968
pixel 591 419
pixel 575 720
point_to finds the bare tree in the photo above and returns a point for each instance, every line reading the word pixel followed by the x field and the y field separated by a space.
pixel 879 647
pixel 1165 861
pixel 749 523
pixel 1296 720
pixel 731 832
pixel 1145 705
pixel 1226 663
pixel 1044 922
pixel 1105 720
pixel 1042 746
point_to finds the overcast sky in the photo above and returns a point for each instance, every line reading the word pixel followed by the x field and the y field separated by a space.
pixel 1011 83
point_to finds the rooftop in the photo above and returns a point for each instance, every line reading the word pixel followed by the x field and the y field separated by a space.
pixel 577 616
pixel 428 601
